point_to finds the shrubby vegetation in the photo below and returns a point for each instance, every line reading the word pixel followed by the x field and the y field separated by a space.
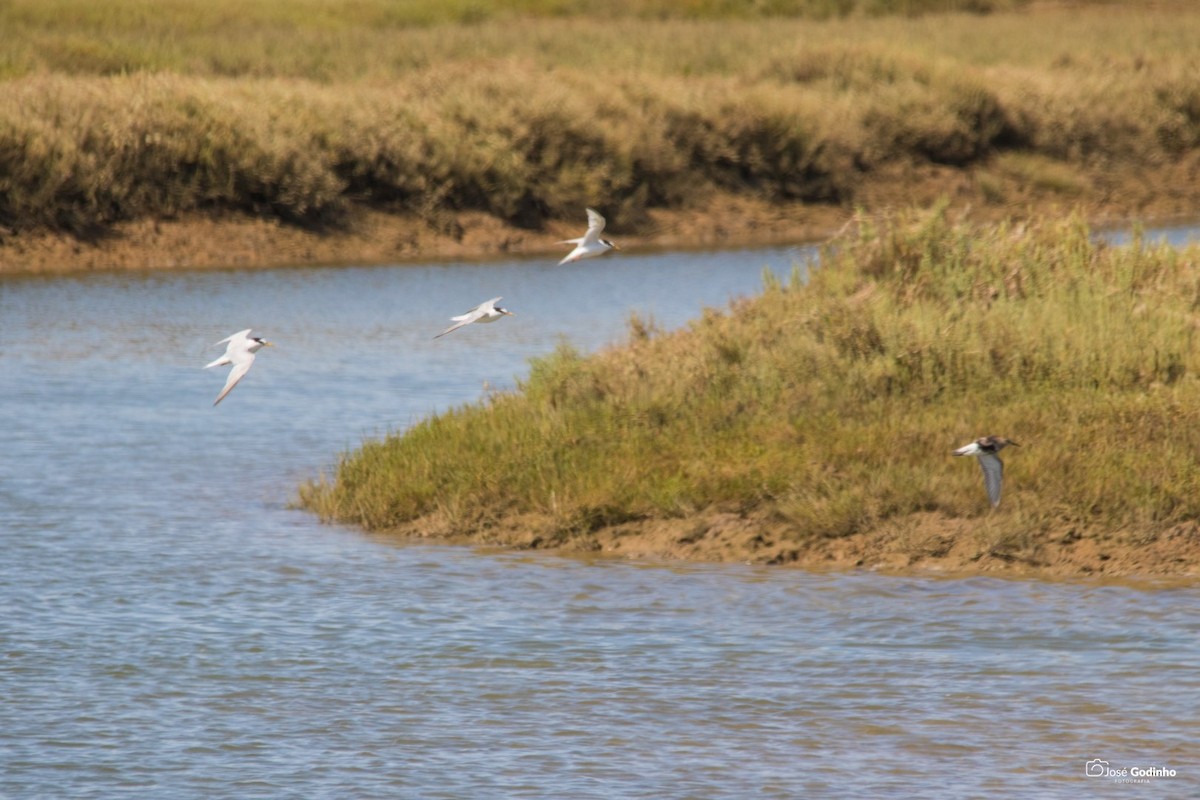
pixel 304 110
pixel 831 405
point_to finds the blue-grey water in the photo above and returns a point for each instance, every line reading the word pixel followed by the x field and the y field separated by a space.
pixel 1175 236
pixel 171 628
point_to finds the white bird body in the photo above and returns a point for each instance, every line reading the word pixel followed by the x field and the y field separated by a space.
pixel 484 312
pixel 590 244
pixel 239 351
pixel 985 449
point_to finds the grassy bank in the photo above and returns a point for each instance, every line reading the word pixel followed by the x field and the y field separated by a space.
pixel 299 113
pixel 822 414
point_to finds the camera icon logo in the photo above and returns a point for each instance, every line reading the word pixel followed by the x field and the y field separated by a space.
pixel 1096 768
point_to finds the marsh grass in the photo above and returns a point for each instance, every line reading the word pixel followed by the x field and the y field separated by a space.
pixel 831 406
pixel 304 112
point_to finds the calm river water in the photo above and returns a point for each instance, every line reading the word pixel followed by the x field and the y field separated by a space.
pixel 170 628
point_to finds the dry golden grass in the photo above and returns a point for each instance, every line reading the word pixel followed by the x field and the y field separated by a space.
pixel 300 112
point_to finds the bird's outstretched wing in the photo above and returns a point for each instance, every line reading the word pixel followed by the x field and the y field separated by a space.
pixel 239 335
pixel 595 227
pixel 467 321
pixel 240 367
pixel 574 255
pixel 993 475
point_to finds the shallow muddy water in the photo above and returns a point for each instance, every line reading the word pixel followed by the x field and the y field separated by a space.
pixel 172 629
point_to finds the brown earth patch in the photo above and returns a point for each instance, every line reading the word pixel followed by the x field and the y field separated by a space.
pixel 988 191
pixel 375 237
pixel 922 543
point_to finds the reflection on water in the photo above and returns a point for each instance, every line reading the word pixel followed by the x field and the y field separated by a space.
pixel 173 629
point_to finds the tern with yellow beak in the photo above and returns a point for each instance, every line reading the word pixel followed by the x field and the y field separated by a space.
pixel 484 312
pixel 590 244
pixel 240 353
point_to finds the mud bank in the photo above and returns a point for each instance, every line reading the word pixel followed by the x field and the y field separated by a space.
pixel 928 543
pixel 376 237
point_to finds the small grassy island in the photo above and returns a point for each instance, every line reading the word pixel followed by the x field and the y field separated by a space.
pixel 813 424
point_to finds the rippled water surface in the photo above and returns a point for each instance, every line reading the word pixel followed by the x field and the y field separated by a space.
pixel 170 628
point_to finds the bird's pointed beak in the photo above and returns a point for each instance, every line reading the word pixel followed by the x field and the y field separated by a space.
pixel 616 246
pixel 268 344
pixel 510 313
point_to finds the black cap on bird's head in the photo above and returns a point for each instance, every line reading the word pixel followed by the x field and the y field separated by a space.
pixel 613 245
